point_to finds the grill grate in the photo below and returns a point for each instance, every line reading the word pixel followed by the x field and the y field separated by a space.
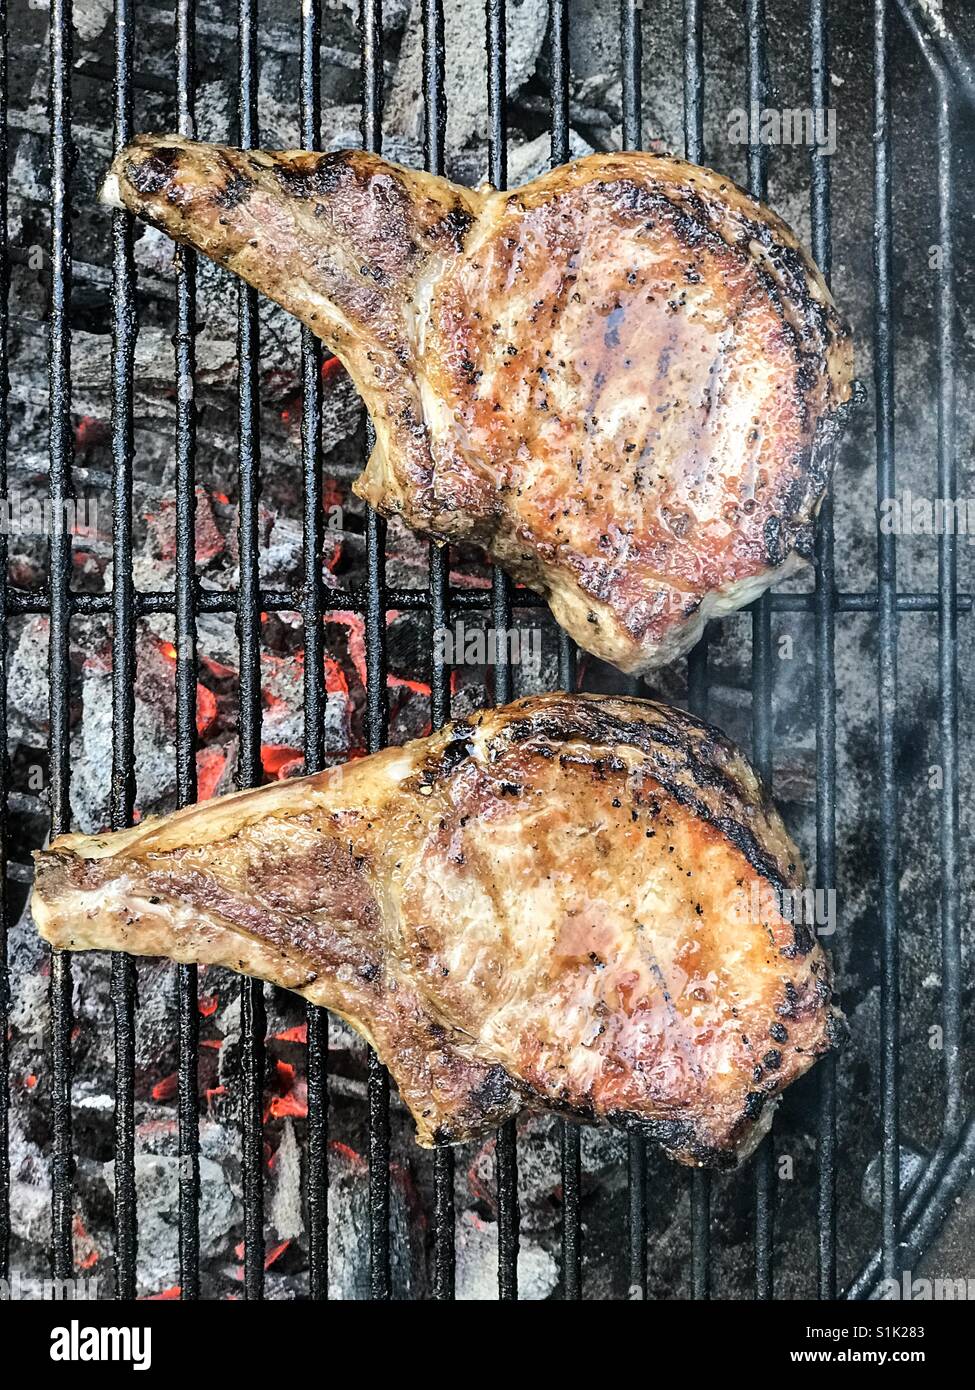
pixel 905 1227
pixel 825 691
pixel 4 763
pixel 59 369
pixel 887 671
pixel 185 623
pixel 122 799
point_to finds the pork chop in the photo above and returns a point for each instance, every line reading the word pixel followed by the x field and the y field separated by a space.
pixel 572 903
pixel 625 380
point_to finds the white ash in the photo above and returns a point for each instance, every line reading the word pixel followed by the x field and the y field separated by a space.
pixel 465 69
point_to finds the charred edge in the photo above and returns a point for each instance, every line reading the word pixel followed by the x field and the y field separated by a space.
pixel 813 326
pixel 825 445
pixel 791 264
pixel 237 188
pixel 775 547
pixel 587 723
pixel 53 877
pixel 319 178
pixel 680 1138
pixel 488 1105
pixel 803 941
pixel 694 225
pixel 152 174
pixel 837 1031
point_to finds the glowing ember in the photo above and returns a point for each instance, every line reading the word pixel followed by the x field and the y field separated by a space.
pixel 294 1100
pixel 89 432
pixel 206 709
pixel 348 1152
pixel 401 683
pixel 335 682
pixel 206 701
pixel 166 1088
pixel 217 670
pixel 275 1253
pixel 270 1257
pixel 357 640
pixel 279 760
pixel 285 1107
pixel 210 764
pixel 298 1034
pixel 85 1253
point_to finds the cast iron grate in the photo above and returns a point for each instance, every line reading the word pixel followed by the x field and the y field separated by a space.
pixel 908 1218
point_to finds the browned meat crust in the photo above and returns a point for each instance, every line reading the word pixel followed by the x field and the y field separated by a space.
pixel 625 380
pixel 544 904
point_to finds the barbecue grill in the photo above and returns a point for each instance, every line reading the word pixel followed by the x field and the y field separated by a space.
pixel 914 1190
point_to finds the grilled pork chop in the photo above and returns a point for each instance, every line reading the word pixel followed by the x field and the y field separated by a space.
pixel 624 380
pixel 549 904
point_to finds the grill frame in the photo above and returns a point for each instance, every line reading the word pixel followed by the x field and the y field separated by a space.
pixel 908 1219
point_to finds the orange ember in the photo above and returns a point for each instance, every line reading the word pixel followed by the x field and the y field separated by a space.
pixel 210 764
pixel 298 1034
pixel 278 759
pixel 166 1088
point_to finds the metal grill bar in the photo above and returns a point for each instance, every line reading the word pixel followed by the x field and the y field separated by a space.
pixel 825 676
pixel 559 24
pixel 887 657
pixel 631 46
pixel 951 981
pixel 570 1138
pixel 4 761
pixel 314 669
pixel 22 601
pixel 697 661
pixel 757 60
pixel 186 668
pixel 59 490
pixel 376 699
pixel 694 81
pixel 253 1021
pixel 122 799
pixel 506 1155
pixel 434 131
